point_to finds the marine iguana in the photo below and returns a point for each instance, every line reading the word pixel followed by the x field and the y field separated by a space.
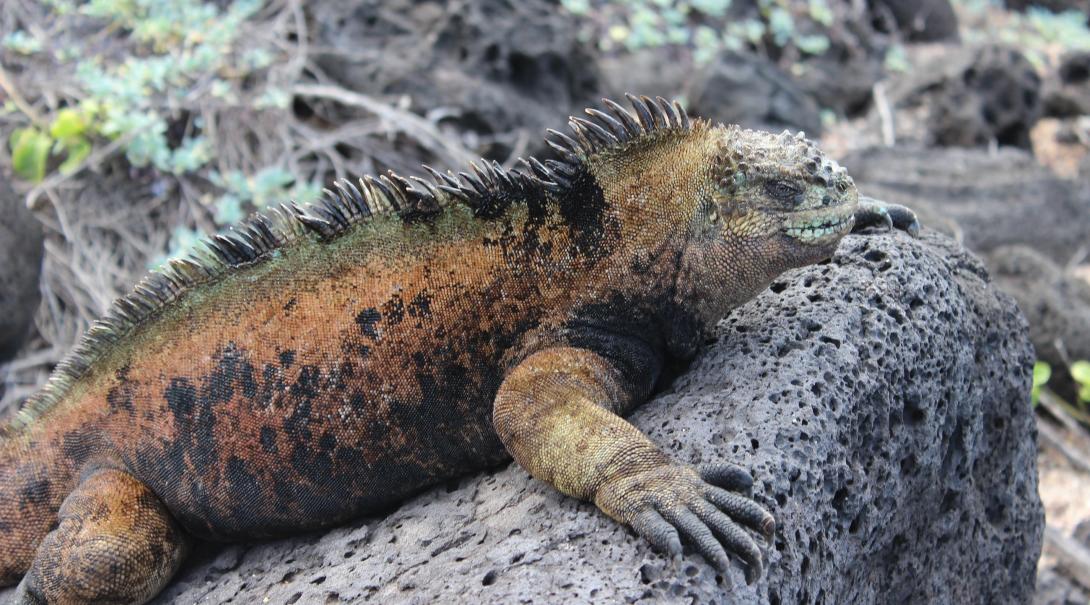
pixel 323 362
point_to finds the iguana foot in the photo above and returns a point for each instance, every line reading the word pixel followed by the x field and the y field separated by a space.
pixel 114 542
pixel 872 212
pixel 668 502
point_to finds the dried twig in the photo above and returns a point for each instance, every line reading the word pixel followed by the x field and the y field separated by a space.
pixel 1052 438
pixel 885 114
pixel 1071 556
pixel 12 91
pixel 420 129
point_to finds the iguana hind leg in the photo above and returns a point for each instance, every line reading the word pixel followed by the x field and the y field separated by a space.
pixel 115 543
pixel 555 413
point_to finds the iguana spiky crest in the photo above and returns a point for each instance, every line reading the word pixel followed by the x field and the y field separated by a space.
pixel 490 191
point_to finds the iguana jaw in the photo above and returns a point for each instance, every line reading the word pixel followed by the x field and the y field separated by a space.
pixel 818 227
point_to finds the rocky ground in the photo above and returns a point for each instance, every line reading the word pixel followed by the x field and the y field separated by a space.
pixel 926 103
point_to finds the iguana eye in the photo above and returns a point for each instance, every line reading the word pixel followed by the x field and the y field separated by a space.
pixel 782 190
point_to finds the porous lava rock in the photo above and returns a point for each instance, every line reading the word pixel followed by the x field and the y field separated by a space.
pixel 1067 92
pixel 996 97
pixel 881 401
pixel 970 97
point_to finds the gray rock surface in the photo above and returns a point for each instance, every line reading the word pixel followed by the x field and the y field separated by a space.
pixel 20 265
pixel 881 401
pixel 986 200
pixel 746 89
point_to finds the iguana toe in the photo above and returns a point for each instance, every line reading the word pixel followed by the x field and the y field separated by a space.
pixel 726 475
pixel 872 212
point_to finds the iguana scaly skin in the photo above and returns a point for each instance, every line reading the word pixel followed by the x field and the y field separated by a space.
pixel 320 363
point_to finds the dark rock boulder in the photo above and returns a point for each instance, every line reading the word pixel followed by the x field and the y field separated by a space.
pixel 971 97
pixel 841 80
pixel 881 401
pixel 986 200
pixel 20 265
pixel 917 20
pixel 487 68
pixel 1067 94
pixel 746 89
pixel 1056 304
pixel 995 97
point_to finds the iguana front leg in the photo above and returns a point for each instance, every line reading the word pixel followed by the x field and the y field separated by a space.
pixel 555 412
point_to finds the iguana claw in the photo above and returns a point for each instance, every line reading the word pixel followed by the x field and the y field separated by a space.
pixel 872 212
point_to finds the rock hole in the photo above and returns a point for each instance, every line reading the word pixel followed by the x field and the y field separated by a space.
pixel 839 498
pixel 828 339
pixel 294 598
pixel 950 500
pixel 875 256
pixel 853 527
pixel 317 581
pixel 913 413
pixel 489 578
pixel 778 286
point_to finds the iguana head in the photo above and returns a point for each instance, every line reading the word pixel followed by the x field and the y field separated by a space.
pixel 771 202
pixel 781 194
pixel 711 214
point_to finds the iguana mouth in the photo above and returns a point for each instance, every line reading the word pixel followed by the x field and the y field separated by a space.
pixel 818 228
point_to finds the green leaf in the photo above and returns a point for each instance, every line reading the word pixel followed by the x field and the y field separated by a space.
pixel 29 152
pixel 68 123
pixel 1080 371
pixel 815 44
pixel 78 149
pixel 1041 373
